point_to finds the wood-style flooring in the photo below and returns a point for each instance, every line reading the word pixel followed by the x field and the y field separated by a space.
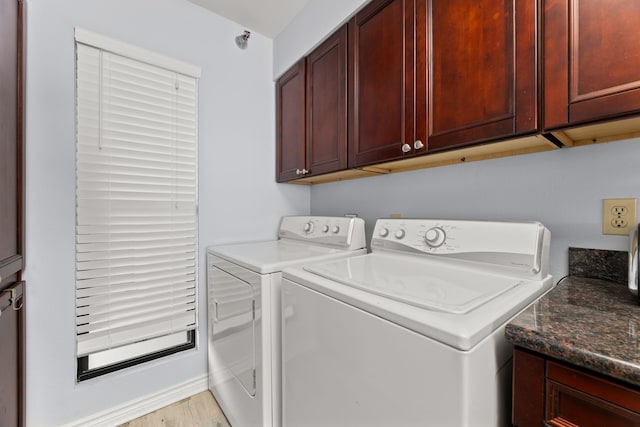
pixel 200 410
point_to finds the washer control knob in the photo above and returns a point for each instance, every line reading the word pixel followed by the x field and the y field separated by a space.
pixel 335 229
pixel 434 237
pixel 384 232
pixel 400 234
pixel 308 227
pixel 325 229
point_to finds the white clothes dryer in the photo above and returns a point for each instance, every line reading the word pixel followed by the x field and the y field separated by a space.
pixel 411 334
pixel 244 310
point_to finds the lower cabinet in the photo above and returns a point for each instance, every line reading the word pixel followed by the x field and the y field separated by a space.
pixel 551 393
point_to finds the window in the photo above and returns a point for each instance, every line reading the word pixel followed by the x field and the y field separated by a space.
pixel 136 205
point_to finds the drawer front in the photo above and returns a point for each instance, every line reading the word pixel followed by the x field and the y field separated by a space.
pixel 577 398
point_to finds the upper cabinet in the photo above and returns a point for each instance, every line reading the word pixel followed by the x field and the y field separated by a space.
pixel 311 105
pixel 291 123
pixel 381 82
pixel 435 82
pixel 481 70
pixel 591 60
pixel 428 75
pixel 327 105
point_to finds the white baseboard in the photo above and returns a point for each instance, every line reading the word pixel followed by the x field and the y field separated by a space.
pixel 131 410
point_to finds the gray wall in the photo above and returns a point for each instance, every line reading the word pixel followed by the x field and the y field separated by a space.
pixel 562 189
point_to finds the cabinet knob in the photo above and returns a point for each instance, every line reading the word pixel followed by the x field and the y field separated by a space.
pixel 418 144
pixel 301 171
pixel 406 148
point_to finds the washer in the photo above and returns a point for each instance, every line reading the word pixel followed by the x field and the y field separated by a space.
pixel 244 310
pixel 411 334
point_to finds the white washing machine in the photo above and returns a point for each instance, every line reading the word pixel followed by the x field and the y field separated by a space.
pixel 411 334
pixel 244 310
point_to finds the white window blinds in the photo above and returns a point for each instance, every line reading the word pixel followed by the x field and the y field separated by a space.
pixel 136 216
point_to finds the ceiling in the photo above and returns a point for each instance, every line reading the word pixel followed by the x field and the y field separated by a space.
pixel 267 17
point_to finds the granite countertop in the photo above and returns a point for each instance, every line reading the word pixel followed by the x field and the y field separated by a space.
pixel 587 322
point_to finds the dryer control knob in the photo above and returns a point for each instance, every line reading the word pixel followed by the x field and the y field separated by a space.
pixel 335 229
pixel 308 227
pixel 400 234
pixel 434 237
pixel 325 229
pixel 383 232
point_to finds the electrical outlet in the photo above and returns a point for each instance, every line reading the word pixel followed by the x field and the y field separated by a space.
pixel 618 216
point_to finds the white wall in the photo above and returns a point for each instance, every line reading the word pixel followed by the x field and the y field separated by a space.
pixel 563 189
pixel 239 199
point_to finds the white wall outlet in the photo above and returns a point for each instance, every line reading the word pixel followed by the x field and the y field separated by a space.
pixel 618 216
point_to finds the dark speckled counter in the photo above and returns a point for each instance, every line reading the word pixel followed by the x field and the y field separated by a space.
pixel 587 322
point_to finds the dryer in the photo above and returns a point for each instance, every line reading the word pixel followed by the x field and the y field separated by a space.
pixel 411 334
pixel 244 310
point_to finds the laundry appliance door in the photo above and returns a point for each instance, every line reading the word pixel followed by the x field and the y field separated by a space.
pixel 233 330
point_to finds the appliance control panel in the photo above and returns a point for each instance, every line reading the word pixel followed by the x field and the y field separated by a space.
pixel 344 232
pixel 522 245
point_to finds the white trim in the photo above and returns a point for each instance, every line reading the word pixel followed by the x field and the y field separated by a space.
pixel 136 408
pixel 121 48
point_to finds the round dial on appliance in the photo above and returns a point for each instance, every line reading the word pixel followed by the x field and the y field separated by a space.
pixel 434 237
pixel 400 234
pixel 335 229
pixel 308 227
pixel 325 229
pixel 384 232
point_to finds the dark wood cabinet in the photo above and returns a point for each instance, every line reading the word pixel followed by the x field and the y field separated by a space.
pixel 311 103
pixel 551 393
pixel 428 75
pixel 326 144
pixel 528 389
pixel 381 82
pixel 291 123
pixel 482 70
pixel 591 60
pixel 459 80
pixel 11 212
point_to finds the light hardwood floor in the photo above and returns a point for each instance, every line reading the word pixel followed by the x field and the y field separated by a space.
pixel 200 410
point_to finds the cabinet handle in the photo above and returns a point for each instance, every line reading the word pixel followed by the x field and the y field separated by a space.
pixel 406 148
pixel 12 297
pixel 418 144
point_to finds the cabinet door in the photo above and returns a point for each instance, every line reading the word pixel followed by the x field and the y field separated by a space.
pixel 327 105
pixel 591 60
pixel 11 236
pixel 381 83
pixel 290 123
pixel 482 70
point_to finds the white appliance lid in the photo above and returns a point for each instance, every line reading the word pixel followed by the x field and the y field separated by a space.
pixel 428 285
pixel 274 255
